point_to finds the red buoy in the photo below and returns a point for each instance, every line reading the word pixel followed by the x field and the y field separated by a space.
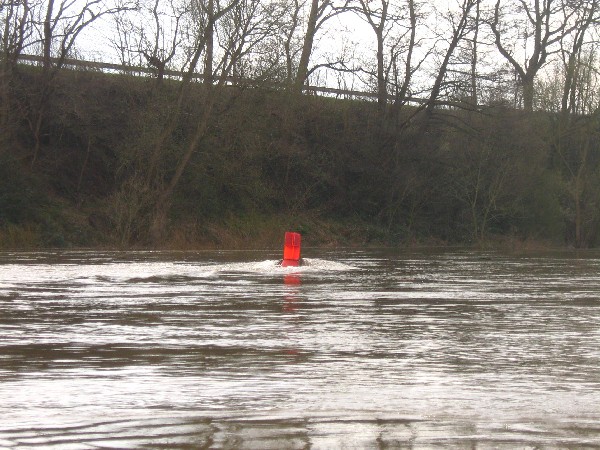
pixel 291 249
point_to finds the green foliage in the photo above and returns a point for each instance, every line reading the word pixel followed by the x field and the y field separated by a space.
pixel 29 216
pixel 21 194
pixel 333 169
pixel 543 217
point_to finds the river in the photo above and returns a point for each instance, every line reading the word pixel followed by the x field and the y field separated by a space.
pixel 370 348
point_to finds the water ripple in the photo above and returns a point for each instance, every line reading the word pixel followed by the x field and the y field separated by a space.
pixel 368 348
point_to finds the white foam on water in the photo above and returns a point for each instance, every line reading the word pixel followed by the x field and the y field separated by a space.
pixel 358 351
pixel 316 264
pixel 88 269
pixel 272 266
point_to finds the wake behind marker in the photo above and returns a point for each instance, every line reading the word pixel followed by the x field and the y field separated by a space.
pixel 291 249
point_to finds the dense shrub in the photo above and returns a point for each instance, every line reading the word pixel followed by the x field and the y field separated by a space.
pixel 465 177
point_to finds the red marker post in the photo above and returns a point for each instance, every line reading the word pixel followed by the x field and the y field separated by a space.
pixel 291 249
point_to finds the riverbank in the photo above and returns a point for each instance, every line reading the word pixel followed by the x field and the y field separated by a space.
pixel 232 232
pixel 254 232
pixel 101 173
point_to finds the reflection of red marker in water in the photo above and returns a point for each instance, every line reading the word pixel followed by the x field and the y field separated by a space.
pixel 291 249
pixel 292 279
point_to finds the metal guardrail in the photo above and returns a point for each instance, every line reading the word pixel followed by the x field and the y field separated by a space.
pixel 102 66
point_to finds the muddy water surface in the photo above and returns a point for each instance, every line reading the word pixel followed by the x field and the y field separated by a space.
pixel 362 349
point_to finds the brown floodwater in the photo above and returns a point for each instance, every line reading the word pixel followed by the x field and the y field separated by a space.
pixel 355 349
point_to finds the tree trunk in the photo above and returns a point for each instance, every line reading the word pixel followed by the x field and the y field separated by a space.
pixel 474 58
pixel 578 220
pixel 159 221
pixel 13 37
pixel 311 29
pixel 5 100
pixel 37 130
pixel 381 81
pixel 84 165
pixel 158 224
pixel 209 52
pixel 45 84
pixel 528 91
pixel 48 35
pixel 458 34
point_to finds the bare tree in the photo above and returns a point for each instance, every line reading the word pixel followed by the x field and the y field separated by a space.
pixel 483 177
pixel 473 69
pixel 413 126
pixel 539 25
pixel 320 12
pixel 15 21
pixel 402 87
pixel 378 18
pixel 210 17
pixel 576 127
pixel 288 31
pixel 395 26
pixel 574 146
pixel 573 56
pixel 196 51
pixel 62 23
pixel 475 54
pixel 160 48
pixel 459 23
pixel 123 40
pixel 317 10
pixel 240 25
pixel 153 35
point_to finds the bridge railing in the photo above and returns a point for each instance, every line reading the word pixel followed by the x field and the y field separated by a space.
pixel 79 64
